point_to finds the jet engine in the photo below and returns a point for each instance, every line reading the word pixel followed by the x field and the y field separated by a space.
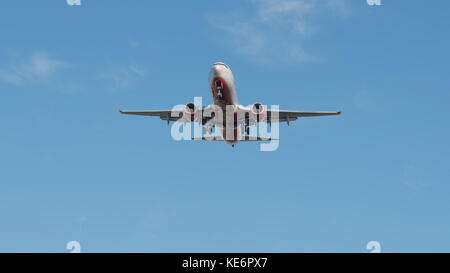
pixel 191 112
pixel 258 112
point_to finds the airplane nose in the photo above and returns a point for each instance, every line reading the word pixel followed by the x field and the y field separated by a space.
pixel 218 70
pixel 215 71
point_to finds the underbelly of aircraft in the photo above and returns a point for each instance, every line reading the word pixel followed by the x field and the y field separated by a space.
pixel 232 133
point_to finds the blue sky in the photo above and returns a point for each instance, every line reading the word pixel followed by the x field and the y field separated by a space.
pixel 72 168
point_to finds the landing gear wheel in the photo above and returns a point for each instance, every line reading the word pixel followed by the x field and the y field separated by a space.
pixel 219 93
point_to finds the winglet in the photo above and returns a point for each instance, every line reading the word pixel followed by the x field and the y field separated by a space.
pixel 118 107
pixel 339 112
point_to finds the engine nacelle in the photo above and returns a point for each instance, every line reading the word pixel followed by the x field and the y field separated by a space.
pixel 191 112
pixel 258 112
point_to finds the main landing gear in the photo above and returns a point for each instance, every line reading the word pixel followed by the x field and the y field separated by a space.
pixel 208 129
pixel 247 130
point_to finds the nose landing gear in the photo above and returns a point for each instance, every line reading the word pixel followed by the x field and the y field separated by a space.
pixel 219 88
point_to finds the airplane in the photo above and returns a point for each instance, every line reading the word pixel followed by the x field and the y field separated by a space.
pixel 233 119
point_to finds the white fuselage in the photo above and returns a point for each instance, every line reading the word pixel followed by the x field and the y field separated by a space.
pixel 223 88
pixel 222 85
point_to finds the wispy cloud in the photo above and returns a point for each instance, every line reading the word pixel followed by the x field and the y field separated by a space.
pixel 123 78
pixel 340 8
pixel 276 29
pixel 37 68
pixel 275 9
pixel 248 39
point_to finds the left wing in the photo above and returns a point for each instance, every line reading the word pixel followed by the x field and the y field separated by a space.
pixel 286 116
pixel 168 115
pixel 162 114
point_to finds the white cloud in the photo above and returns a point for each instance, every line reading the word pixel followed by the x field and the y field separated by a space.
pixel 276 29
pixel 303 28
pixel 297 53
pixel 137 70
pixel 248 39
pixel 38 67
pixel 41 66
pixel 340 8
pixel 10 77
pixel 273 9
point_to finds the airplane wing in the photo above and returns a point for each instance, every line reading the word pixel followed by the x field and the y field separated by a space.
pixel 167 115
pixel 162 114
pixel 283 115
pixel 287 116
